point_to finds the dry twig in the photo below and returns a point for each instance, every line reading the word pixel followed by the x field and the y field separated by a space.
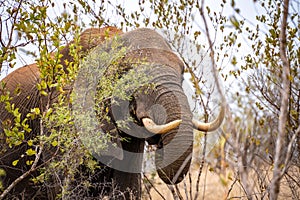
pixel 285 92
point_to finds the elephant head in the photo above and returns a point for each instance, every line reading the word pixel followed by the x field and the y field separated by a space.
pixel 164 110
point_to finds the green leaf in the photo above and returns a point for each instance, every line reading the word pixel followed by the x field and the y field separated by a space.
pixel 49 112
pixel 30 152
pixel 16 112
pixel 30 142
pixel 54 143
pixel 15 162
pixel 2 172
pixel 44 93
pixel 233 61
pixel 29 162
pixel 234 22
pixel 36 111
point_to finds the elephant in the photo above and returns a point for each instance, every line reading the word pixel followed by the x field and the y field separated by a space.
pixel 161 114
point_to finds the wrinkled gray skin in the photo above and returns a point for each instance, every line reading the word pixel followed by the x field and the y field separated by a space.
pixel 168 96
pixel 167 102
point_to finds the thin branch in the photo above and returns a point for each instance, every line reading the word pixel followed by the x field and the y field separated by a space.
pixel 180 170
pixel 289 151
pixel 147 189
pixel 231 187
pixel 1 31
pixel 173 192
pixel 212 52
pixel 23 176
pixel 201 167
pixel 293 179
pixel 280 142
pixel 154 187
pixel 185 189
pixel 191 185
pixel 178 192
pixel 14 23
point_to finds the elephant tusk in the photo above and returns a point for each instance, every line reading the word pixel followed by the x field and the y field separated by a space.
pixel 211 126
pixel 160 129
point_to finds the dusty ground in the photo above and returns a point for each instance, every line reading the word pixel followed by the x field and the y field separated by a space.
pixel 211 186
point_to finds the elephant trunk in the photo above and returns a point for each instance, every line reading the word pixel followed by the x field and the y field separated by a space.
pixel 174 153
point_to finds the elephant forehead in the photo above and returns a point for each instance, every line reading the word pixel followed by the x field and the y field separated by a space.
pixel 144 38
pixel 159 57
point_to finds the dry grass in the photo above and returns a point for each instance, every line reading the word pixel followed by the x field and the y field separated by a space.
pixel 211 186
pixel 215 186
